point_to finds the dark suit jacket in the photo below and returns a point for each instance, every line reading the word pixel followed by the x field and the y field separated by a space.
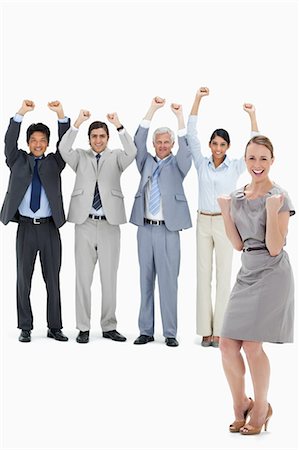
pixel 21 165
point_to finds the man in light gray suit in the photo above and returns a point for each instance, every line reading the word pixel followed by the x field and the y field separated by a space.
pixel 160 210
pixel 97 209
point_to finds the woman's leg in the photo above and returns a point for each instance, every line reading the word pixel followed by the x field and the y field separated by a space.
pixel 224 257
pixel 234 369
pixel 260 374
pixel 204 311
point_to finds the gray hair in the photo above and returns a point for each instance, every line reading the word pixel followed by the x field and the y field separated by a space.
pixel 163 130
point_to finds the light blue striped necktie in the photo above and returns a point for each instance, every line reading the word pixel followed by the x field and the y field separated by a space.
pixel 155 195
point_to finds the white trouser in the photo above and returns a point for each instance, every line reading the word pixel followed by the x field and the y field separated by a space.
pixel 211 235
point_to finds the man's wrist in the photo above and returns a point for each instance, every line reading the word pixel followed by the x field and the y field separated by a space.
pixel 120 127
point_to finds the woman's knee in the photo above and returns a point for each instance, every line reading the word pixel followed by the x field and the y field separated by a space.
pixel 252 349
pixel 229 347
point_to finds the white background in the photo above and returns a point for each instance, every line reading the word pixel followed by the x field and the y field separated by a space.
pixel 116 56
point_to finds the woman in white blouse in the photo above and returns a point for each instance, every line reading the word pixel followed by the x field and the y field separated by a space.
pixel 217 175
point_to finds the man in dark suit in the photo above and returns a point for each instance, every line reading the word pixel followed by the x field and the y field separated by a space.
pixel 34 200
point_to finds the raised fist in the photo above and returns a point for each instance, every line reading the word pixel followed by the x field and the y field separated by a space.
pixel 113 118
pixel 202 92
pixel 27 105
pixel 249 108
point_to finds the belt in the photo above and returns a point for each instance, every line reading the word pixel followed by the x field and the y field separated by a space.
pixel 209 214
pixel 93 216
pixel 250 249
pixel 154 222
pixel 36 221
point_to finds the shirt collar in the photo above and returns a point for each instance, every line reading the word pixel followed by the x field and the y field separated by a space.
pixel 226 161
pixel 164 159
pixel 96 153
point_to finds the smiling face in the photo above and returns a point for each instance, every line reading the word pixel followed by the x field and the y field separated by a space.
pixel 258 160
pixel 38 143
pixel 163 145
pixel 218 147
pixel 98 139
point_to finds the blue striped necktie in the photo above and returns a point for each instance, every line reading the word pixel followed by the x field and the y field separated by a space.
pixel 36 187
pixel 155 195
pixel 97 202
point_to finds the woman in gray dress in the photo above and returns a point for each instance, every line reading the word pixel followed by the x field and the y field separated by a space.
pixel 261 304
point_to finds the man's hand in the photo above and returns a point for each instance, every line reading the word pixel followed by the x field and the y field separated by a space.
pixel 83 115
pixel 158 102
pixel 176 109
pixel 113 118
pixel 27 105
pixel 202 92
pixel 56 106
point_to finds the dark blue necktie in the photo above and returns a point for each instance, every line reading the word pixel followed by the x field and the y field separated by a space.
pixel 97 202
pixel 36 189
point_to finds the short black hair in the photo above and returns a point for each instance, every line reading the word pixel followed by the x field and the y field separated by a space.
pixel 98 124
pixel 38 127
pixel 221 133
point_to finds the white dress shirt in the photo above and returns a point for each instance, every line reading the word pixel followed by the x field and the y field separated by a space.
pixel 213 181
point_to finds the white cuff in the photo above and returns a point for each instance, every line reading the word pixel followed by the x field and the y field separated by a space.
pixel 182 132
pixel 145 123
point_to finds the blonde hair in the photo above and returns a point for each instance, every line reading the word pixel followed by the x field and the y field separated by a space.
pixel 261 140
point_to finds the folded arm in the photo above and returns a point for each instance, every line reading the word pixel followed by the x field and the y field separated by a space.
pixel 230 228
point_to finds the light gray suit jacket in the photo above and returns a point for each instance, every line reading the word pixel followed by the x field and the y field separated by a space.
pixel 175 207
pixel 107 174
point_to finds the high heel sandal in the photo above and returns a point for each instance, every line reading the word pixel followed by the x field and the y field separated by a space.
pixel 249 429
pixel 238 424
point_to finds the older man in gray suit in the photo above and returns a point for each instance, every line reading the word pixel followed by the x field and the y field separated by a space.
pixel 160 210
pixel 97 209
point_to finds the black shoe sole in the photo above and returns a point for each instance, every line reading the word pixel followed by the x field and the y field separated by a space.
pixel 146 342
pixel 116 340
pixel 50 335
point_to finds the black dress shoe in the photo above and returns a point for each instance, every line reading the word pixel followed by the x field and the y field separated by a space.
pixel 114 335
pixel 143 339
pixel 83 337
pixel 25 336
pixel 171 342
pixel 57 335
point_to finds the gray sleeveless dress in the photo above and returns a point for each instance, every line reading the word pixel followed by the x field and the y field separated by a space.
pixel 261 304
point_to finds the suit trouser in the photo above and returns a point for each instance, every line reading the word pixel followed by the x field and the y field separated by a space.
pixel 159 254
pixel 211 235
pixel 96 240
pixel 45 239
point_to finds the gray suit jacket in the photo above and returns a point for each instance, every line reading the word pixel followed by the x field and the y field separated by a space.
pixel 175 207
pixel 107 174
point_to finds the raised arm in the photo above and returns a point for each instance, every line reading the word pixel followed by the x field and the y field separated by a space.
pixel 142 131
pixel 156 104
pixel 127 156
pixel 194 143
pixel 63 126
pixel 12 135
pixel 183 156
pixel 200 93
pixel 250 109
pixel 230 228
pixel 70 155
pixel 276 224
